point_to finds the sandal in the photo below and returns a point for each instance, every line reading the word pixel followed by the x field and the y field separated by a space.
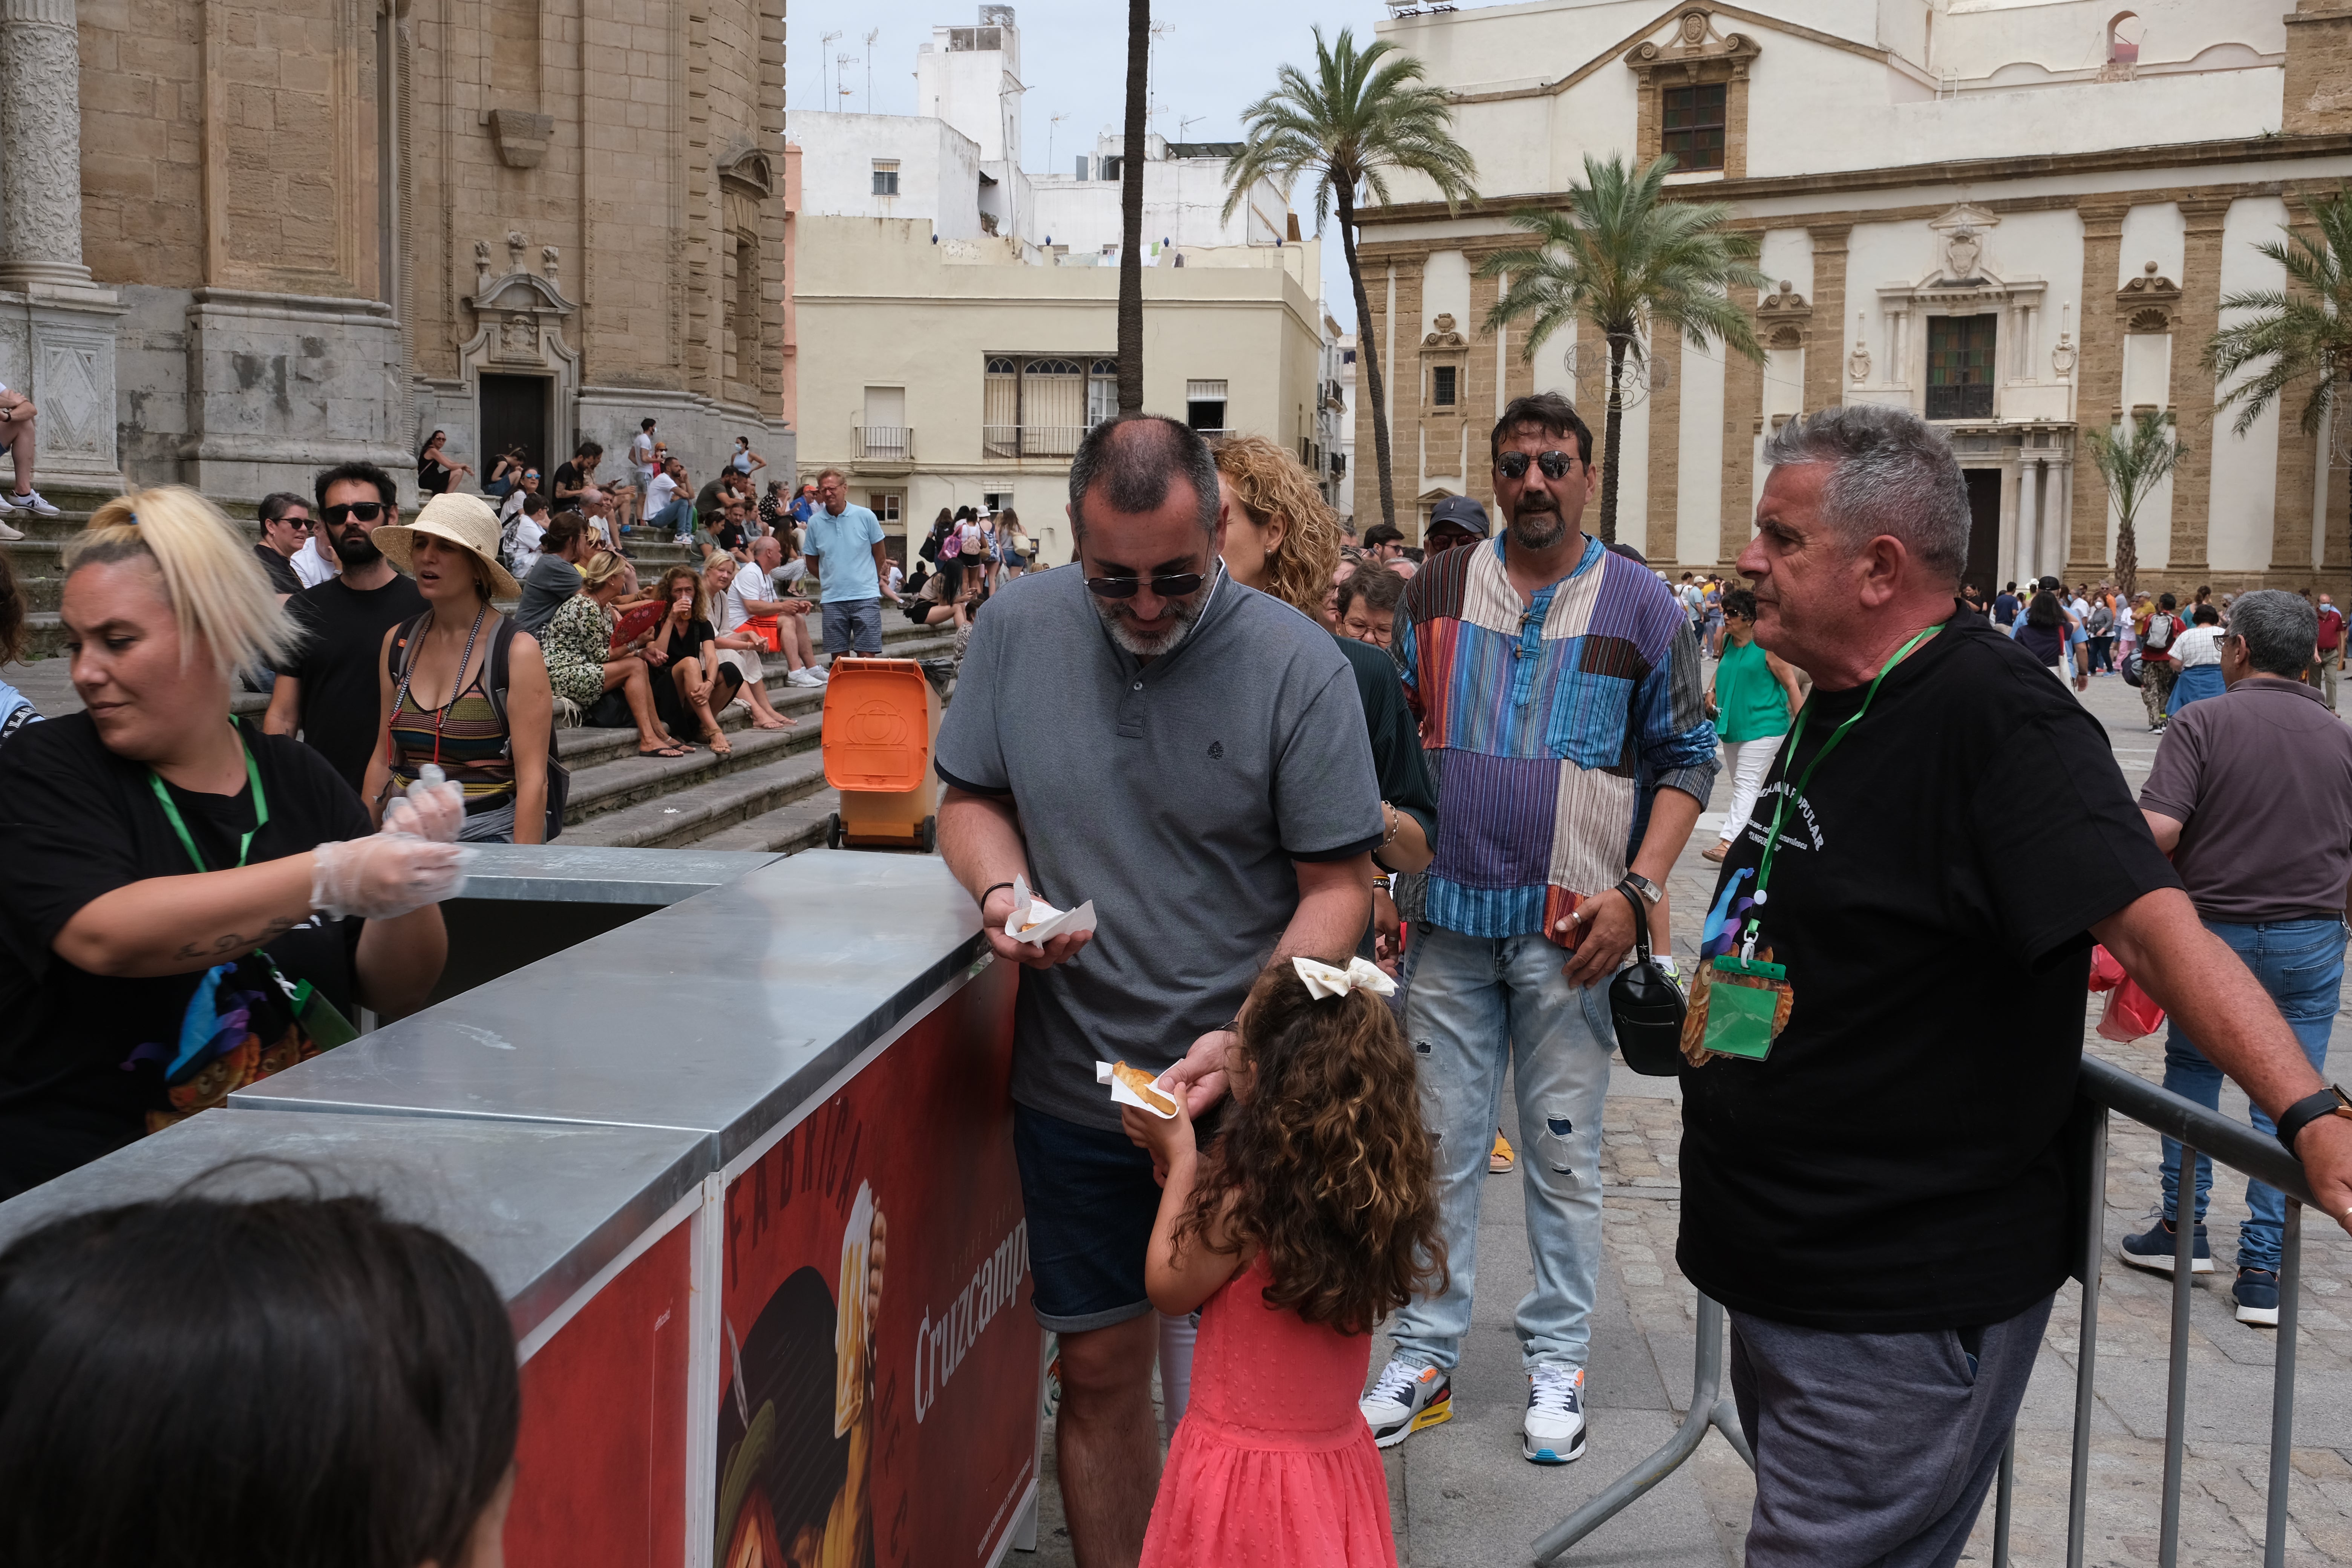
pixel 1715 854
pixel 717 740
pixel 660 751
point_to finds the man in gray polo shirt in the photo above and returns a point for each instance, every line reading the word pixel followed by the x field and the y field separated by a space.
pixel 1139 730
pixel 2251 796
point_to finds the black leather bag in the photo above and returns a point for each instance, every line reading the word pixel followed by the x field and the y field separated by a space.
pixel 1645 1006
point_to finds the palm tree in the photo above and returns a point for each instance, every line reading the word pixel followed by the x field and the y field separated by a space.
pixel 1618 255
pixel 1362 116
pixel 2305 334
pixel 1131 209
pixel 2134 459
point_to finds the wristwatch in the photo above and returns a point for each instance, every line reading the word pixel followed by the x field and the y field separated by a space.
pixel 1651 892
pixel 2328 1101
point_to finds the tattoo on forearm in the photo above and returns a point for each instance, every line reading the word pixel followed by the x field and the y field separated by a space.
pixel 233 942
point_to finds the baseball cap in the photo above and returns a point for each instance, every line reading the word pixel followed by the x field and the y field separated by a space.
pixel 1461 512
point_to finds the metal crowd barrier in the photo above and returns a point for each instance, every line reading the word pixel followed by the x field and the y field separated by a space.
pixel 2101 1088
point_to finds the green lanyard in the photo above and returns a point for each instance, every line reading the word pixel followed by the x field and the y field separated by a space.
pixel 260 809
pixel 1772 842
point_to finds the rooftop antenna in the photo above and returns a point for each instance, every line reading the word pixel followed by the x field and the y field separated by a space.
pixel 841 64
pixel 869 68
pixel 821 44
pixel 1050 123
pixel 1159 31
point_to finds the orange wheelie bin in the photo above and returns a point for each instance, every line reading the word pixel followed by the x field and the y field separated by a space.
pixel 881 720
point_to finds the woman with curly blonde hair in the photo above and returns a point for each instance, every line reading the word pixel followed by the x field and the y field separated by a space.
pixel 1281 536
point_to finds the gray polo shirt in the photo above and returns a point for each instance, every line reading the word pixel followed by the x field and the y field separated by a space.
pixel 2261 780
pixel 1175 794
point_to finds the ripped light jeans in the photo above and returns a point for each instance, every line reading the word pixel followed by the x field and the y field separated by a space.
pixel 1473 1006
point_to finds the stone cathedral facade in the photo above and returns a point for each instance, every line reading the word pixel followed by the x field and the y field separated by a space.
pixel 242 238
pixel 2018 217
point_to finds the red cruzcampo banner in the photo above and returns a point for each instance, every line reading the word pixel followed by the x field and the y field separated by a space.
pixel 878 1401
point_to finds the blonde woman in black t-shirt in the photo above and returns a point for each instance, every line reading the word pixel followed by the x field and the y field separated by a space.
pixel 176 880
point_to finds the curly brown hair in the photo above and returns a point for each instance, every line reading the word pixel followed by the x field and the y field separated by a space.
pixel 1327 1165
pixel 1269 481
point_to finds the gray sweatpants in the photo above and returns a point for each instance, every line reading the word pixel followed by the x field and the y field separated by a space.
pixel 1875 1449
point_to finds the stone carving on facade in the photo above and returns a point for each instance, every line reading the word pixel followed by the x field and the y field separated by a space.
pixel 549 256
pixel 1961 253
pixel 742 164
pixel 481 268
pixel 1445 336
pixel 520 136
pixel 1857 363
pixel 2062 358
pixel 1961 234
pixel 2148 302
pixel 1694 28
pixel 1734 50
pixel 1784 297
pixel 516 246
pixel 76 383
pixel 40 130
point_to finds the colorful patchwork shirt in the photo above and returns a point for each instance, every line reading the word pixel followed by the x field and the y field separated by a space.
pixel 1547 725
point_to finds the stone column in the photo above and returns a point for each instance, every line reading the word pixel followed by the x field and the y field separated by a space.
pixel 2192 384
pixel 2028 518
pixel 41 144
pixel 2099 376
pixel 1825 341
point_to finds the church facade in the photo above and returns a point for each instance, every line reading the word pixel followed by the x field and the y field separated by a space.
pixel 2016 217
pixel 242 238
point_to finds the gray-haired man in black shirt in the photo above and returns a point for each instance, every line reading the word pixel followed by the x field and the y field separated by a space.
pixel 1876 1191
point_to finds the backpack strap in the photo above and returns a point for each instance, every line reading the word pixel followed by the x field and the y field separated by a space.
pixel 400 662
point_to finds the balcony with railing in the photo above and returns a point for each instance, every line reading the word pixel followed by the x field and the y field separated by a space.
pixel 1032 440
pixel 883 443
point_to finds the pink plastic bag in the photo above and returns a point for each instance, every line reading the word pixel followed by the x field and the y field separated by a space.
pixel 2131 1013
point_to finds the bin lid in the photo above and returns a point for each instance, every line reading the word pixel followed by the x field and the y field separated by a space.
pixel 877 727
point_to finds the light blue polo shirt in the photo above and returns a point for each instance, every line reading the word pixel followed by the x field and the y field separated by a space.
pixel 843 546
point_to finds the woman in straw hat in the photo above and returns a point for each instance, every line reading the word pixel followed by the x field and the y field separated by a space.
pixel 173 875
pixel 442 699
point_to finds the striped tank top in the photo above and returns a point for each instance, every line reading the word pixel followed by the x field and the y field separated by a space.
pixel 467 740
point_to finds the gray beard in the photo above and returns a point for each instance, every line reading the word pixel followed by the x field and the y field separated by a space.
pixel 1538 530
pixel 1188 614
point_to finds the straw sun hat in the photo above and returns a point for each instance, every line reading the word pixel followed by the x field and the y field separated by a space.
pixel 464 520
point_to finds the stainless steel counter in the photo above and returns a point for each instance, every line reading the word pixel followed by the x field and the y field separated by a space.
pixel 541 1206
pixel 717 1016
pixel 562 873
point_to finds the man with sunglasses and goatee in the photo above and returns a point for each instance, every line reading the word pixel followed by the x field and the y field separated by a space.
pixel 329 693
pixel 1558 688
pixel 1138 729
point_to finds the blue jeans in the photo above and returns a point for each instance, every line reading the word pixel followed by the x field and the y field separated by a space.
pixel 2301 965
pixel 678 518
pixel 1476 1005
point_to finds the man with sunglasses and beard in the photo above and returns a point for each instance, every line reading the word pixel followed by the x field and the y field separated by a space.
pixel 1138 729
pixel 1557 687
pixel 328 694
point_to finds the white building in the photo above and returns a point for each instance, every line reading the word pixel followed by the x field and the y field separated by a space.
pixel 2017 217
pixel 1343 438
pixel 957 318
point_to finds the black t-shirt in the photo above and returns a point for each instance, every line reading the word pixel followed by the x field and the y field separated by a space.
pixel 568 478
pixel 433 476
pixel 689 644
pixel 342 633
pixel 730 536
pixel 84 1058
pixel 278 570
pixel 1894 1165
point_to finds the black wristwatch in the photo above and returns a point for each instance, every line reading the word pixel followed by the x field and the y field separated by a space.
pixel 1651 892
pixel 2328 1101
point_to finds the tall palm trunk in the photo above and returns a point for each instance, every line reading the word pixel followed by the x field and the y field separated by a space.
pixel 1130 206
pixel 2127 559
pixel 1366 355
pixel 1616 426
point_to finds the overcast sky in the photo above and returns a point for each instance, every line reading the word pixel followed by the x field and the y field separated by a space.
pixel 1214 58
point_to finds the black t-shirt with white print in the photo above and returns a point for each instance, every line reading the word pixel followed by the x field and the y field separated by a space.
pixel 85 1058
pixel 1894 1163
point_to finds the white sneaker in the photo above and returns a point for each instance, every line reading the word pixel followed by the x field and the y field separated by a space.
pixel 32 501
pixel 9 533
pixel 1553 1431
pixel 802 678
pixel 820 672
pixel 1406 1399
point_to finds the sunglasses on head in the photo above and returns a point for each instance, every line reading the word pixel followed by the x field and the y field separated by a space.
pixel 1555 465
pixel 1169 586
pixel 364 511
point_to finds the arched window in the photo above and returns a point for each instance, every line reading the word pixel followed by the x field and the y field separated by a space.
pixel 2123 36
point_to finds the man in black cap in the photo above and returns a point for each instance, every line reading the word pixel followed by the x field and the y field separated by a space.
pixel 1455 521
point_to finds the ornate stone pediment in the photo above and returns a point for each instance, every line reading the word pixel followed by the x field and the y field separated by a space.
pixel 1696 44
pixel 1960 238
pixel 1447 336
pixel 745 165
pixel 2149 302
pixel 519 315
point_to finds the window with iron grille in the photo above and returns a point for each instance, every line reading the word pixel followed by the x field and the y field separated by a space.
pixel 1692 125
pixel 1442 379
pixel 886 176
pixel 1960 366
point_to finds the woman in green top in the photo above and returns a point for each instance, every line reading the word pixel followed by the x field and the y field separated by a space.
pixel 1754 699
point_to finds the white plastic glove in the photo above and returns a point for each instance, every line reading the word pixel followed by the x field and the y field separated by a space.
pixel 385 875
pixel 433 808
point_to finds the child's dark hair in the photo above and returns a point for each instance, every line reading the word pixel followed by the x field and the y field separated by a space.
pixel 1328 1165
pixel 270 1384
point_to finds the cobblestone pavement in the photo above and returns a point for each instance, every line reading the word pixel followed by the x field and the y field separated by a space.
pixel 1462 1495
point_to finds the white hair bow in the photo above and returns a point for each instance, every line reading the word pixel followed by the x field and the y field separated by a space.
pixel 1322 980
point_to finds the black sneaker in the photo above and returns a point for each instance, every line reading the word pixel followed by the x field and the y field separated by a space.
pixel 2152 1249
pixel 2256 1292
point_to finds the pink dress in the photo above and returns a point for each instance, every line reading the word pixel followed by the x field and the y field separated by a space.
pixel 1272 1466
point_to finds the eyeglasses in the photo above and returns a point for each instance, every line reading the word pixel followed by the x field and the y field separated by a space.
pixel 365 510
pixel 1555 465
pixel 1170 585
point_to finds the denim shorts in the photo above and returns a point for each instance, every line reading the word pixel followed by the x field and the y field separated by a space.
pixel 1091 1204
pixel 853 626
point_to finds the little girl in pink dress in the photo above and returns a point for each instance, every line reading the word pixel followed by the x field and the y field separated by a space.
pixel 1309 1218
